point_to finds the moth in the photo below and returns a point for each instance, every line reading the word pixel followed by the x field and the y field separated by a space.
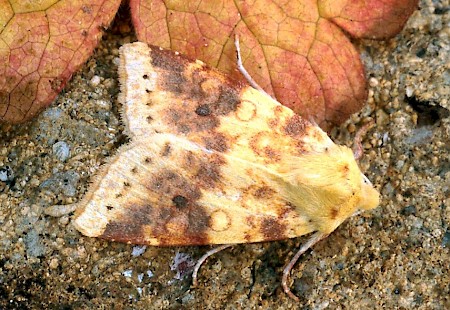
pixel 216 161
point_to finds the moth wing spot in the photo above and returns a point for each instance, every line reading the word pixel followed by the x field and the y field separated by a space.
pixel 219 221
pixel 263 192
pixel 180 201
pixel 149 81
pixel 295 126
pixel 203 110
pixel 272 229
pixel 246 111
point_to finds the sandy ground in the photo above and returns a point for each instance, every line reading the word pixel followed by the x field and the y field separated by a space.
pixel 395 257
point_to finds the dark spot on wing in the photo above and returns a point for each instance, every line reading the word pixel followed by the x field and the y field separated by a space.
pixel 203 110
pixel 272 229
pixel 167 183
pixel 263 192
pixel 206 170
pixel 129 227
pixel 216 142
pixel 180 201
pixel 167 59
pixel 295 126
pixel 186 116
pixel 208 173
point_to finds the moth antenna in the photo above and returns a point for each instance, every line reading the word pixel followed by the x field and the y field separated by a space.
pixel 357 146
pixel 287 270
pixel 242 69
pixel 202 260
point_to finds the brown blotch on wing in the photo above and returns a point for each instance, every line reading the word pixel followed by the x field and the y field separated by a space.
pixel 345 170
pixel 216 141
pixel 272 229
pixel 272 153
pixel 200 94
pixel 130 226
pixel 173 79
pixel 206 171
pixel 295 126
pixel 168 183
pixel 261 192
pixel 169 225
pixel 188 117
pixel 174 217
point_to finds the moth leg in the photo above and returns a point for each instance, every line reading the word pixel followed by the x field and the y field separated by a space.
pixel 287 270
pixel 242 69
pixel 203 258
pixel 357 146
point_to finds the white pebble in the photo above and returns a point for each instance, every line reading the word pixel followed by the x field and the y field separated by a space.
pixel 127 273
pixel 61 150
pixel 95 81
pixel 138 250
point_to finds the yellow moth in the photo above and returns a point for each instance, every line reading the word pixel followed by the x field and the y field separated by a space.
pixel 215 161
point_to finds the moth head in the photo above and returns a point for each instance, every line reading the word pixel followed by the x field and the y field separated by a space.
pixel 329 187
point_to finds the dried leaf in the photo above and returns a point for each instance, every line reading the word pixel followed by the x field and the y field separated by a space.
pixel 42 43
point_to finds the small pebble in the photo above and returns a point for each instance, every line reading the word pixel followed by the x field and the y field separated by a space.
pixel 54 263
pixel 95 81
pixel 138 250
pixel 127 273
pixel 6 174
pixel 61 150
